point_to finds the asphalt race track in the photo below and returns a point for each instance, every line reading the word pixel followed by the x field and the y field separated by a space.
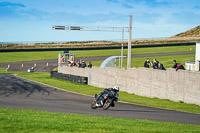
pixel 41 65
pixel 20 93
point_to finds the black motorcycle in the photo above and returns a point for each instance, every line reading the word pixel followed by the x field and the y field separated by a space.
pixel 105 100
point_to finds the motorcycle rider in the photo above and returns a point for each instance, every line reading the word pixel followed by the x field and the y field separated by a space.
pixel 113 90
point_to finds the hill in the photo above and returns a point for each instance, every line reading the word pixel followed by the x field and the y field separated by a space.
pixel 192 35
pixel 194 32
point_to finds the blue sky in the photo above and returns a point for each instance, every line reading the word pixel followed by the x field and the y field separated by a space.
pixel 31 20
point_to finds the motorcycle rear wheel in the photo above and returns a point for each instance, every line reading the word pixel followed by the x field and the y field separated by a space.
pixel 107 104
pixel 93 104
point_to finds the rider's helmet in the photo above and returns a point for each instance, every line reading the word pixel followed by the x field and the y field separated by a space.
pixel 116 88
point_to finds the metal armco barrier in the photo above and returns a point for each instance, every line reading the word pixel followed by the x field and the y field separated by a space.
pixel 68 77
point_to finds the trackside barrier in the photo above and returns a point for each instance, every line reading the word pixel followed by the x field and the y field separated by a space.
pixel 174 85
pixel 69 77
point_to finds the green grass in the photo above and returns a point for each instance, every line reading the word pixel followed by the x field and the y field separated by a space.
pixel 15 120
pixel 134 51
pixel 28 56
pixel 90 90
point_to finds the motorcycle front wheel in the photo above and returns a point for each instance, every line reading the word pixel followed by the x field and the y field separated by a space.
pixel 93 104
pixel 107 104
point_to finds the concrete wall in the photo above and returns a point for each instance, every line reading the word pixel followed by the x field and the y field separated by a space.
pixel 173 85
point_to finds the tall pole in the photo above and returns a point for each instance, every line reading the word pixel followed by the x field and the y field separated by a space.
pixel 122 49
pixel 129 43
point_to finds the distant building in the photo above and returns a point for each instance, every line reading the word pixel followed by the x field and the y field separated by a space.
pixel 189 65
pixel 197 57
pixel 194 66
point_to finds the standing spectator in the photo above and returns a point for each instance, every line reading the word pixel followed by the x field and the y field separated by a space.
pixel 78 64
pixel 175 64
pixel 71 59
pixel 83 64
pixel 74 64
pixel 147 63
pixel 178 66
pixel 69 64
pixel 160 66
pixel 90 65
pixel 62 59
pixel 155 64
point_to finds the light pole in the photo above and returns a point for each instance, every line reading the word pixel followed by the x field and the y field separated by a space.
pixel 105 29
pixel 122 49
pixel 129 44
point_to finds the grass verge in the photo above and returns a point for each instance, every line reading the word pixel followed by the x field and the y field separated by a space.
pixel 134 51
pixel 28 56
pixel 90 90
pixel 14 120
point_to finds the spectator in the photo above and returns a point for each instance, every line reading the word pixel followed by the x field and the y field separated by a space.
pixel 71 59
pixel 175 64
pixel 62 59
pixel 83 64
pixel 155 64
pixel 178 66
pixel 160 66
pixel 74 64
pixel 90 65
pixel 147 63
pixel 69 64
pixel 78 64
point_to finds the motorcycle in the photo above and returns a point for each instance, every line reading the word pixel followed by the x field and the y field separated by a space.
pixel 105 100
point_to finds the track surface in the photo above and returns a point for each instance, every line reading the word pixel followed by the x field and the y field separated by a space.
pixel 41 64
pixel 24 94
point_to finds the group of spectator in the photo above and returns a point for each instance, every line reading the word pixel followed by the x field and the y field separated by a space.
pixel 79 64
pixel 70 62
pixel 83 64
pixel 157 65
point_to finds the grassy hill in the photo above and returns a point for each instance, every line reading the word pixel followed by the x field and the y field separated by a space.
pixel 194 32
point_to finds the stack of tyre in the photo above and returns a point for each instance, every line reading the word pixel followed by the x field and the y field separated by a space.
pixel 69 77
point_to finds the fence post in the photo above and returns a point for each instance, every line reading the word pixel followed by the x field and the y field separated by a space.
pixel 90 76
